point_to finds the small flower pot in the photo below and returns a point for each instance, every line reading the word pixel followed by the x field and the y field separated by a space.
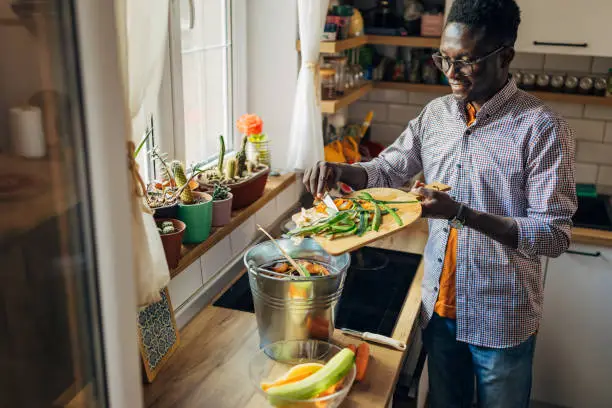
pixel 172 242
pixel 197 217
pixel 222 211
pixel 169 211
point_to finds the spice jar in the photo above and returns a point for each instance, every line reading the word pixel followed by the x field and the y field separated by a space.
pixel 328 83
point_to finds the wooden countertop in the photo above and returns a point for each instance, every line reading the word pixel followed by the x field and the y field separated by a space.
pixel 210 368
pixel 592 237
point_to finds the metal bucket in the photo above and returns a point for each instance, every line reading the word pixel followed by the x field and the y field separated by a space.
pixel 295 309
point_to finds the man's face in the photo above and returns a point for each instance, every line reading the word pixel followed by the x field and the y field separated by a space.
pixel 459 42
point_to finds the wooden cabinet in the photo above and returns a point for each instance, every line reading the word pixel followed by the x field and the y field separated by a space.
pixel 573 357
pixel 570 28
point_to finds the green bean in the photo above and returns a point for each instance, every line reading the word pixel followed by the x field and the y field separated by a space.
pixel 396 217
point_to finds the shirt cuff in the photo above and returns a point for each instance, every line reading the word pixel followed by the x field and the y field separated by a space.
pixel 373 173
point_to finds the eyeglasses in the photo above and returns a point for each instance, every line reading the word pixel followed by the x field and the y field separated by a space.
pixel 466 67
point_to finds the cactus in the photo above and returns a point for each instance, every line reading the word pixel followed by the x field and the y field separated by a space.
pixel 220 192
pixel 241 158
pixel 230 169
pixel 250 166
pixel 181 180
pixel 221 155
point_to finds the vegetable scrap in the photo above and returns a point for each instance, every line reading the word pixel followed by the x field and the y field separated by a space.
pixel 311 380
pixel 355 216
pixel 313 268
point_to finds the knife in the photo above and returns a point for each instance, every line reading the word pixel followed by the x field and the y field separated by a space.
pixel 376 338
pixel 329 202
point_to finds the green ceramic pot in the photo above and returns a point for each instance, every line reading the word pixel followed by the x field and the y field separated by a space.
pixel 197 217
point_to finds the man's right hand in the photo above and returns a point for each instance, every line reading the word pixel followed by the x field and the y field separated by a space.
pixel 323 176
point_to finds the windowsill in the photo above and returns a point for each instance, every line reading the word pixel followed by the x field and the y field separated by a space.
pixel 192 253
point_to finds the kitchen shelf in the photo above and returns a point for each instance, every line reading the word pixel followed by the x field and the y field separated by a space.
pixel 546 96
pixel 419 42
pixel 331 47
pixel 332 106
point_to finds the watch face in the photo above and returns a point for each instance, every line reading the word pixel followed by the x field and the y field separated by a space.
pixel 455 223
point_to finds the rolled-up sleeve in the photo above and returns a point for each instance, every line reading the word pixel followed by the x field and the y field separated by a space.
pixel 550 190
pixel 400 161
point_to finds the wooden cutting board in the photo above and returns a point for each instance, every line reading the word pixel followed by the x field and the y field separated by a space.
pixel 409 213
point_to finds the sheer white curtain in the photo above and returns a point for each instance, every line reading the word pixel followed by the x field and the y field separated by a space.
pixel 142 28
pixel 306 135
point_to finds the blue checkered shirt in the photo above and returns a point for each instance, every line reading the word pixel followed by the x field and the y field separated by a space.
pixel 515 160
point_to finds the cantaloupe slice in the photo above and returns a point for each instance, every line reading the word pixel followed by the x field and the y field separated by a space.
pixel 296 373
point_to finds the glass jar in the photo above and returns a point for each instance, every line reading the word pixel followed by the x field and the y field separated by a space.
pixel 339 63
pixel 328 83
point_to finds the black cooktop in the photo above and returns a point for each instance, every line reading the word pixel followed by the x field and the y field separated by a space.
pixel 375 288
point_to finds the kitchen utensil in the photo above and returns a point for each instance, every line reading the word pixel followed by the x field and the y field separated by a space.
pixel 281 315
pixel 376 338
pixel 276 359
pixel 285 254
pixel 329 202
pixel 409 213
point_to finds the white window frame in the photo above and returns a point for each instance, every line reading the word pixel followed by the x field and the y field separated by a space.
pixel 171 122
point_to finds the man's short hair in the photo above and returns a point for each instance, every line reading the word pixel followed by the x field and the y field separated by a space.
pixel 499 19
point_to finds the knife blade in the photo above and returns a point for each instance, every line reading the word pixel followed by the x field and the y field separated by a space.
pixel 376 338
pixel 329 202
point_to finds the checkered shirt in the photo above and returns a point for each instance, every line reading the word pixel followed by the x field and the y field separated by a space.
pixel 515 160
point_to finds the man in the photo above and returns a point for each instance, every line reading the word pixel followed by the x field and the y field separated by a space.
pixel 510 162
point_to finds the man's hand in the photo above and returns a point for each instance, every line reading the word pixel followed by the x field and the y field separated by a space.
pixel 436 204
pixel 324 176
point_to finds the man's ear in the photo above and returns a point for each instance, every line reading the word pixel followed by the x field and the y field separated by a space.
pixel 507 56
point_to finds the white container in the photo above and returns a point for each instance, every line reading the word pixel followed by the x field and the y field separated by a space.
pixel 27 135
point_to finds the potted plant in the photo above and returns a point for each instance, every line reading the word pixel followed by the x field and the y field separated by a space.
pixel 195 208
pixel 171 232
pixel 222 205
pixel 246 179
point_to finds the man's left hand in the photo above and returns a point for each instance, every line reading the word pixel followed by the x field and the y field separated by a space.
pixel 436 204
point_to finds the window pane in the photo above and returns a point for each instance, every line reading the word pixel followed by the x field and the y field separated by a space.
pixel 206 78
pixel 209 24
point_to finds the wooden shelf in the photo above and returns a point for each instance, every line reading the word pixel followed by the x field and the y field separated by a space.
pixel 545 96
pixel 419 42
pixel 332 106
pixel 330 47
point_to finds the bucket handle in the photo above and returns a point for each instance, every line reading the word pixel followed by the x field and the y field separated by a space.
pixel 257 270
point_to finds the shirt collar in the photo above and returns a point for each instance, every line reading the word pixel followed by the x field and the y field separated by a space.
pixel 495 103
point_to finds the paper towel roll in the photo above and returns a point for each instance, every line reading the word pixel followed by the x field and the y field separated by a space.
pixel 27 135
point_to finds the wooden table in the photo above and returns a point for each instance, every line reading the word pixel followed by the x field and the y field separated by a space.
pixel 210 367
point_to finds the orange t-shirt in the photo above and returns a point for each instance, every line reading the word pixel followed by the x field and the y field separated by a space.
pixel 446 305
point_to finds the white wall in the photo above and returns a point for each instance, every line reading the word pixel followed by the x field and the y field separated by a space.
pixel 272 68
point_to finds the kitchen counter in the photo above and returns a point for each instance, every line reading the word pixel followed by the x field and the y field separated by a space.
pixel 210 368
pixel 592 236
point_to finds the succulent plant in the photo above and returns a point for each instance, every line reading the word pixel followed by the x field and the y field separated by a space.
pixel 230 169
pixel 241 158
pixel 166 227
pixel 182 181
pixel 221 155
pixel 220 192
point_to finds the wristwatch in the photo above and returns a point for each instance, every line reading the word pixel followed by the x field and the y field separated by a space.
pixel 459 220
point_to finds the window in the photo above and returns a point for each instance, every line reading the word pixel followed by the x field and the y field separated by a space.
pixel 204 76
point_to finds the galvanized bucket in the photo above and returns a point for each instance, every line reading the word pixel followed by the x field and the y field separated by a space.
pixel 290 309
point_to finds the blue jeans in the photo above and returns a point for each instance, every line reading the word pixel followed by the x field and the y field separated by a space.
pixel 503 376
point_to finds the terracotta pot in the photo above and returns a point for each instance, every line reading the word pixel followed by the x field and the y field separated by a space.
pixel 248 191
pixel 172 242
pixel 222 211
pixel 197 217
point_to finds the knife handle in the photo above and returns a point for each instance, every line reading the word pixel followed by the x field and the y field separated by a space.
pixel 377 338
